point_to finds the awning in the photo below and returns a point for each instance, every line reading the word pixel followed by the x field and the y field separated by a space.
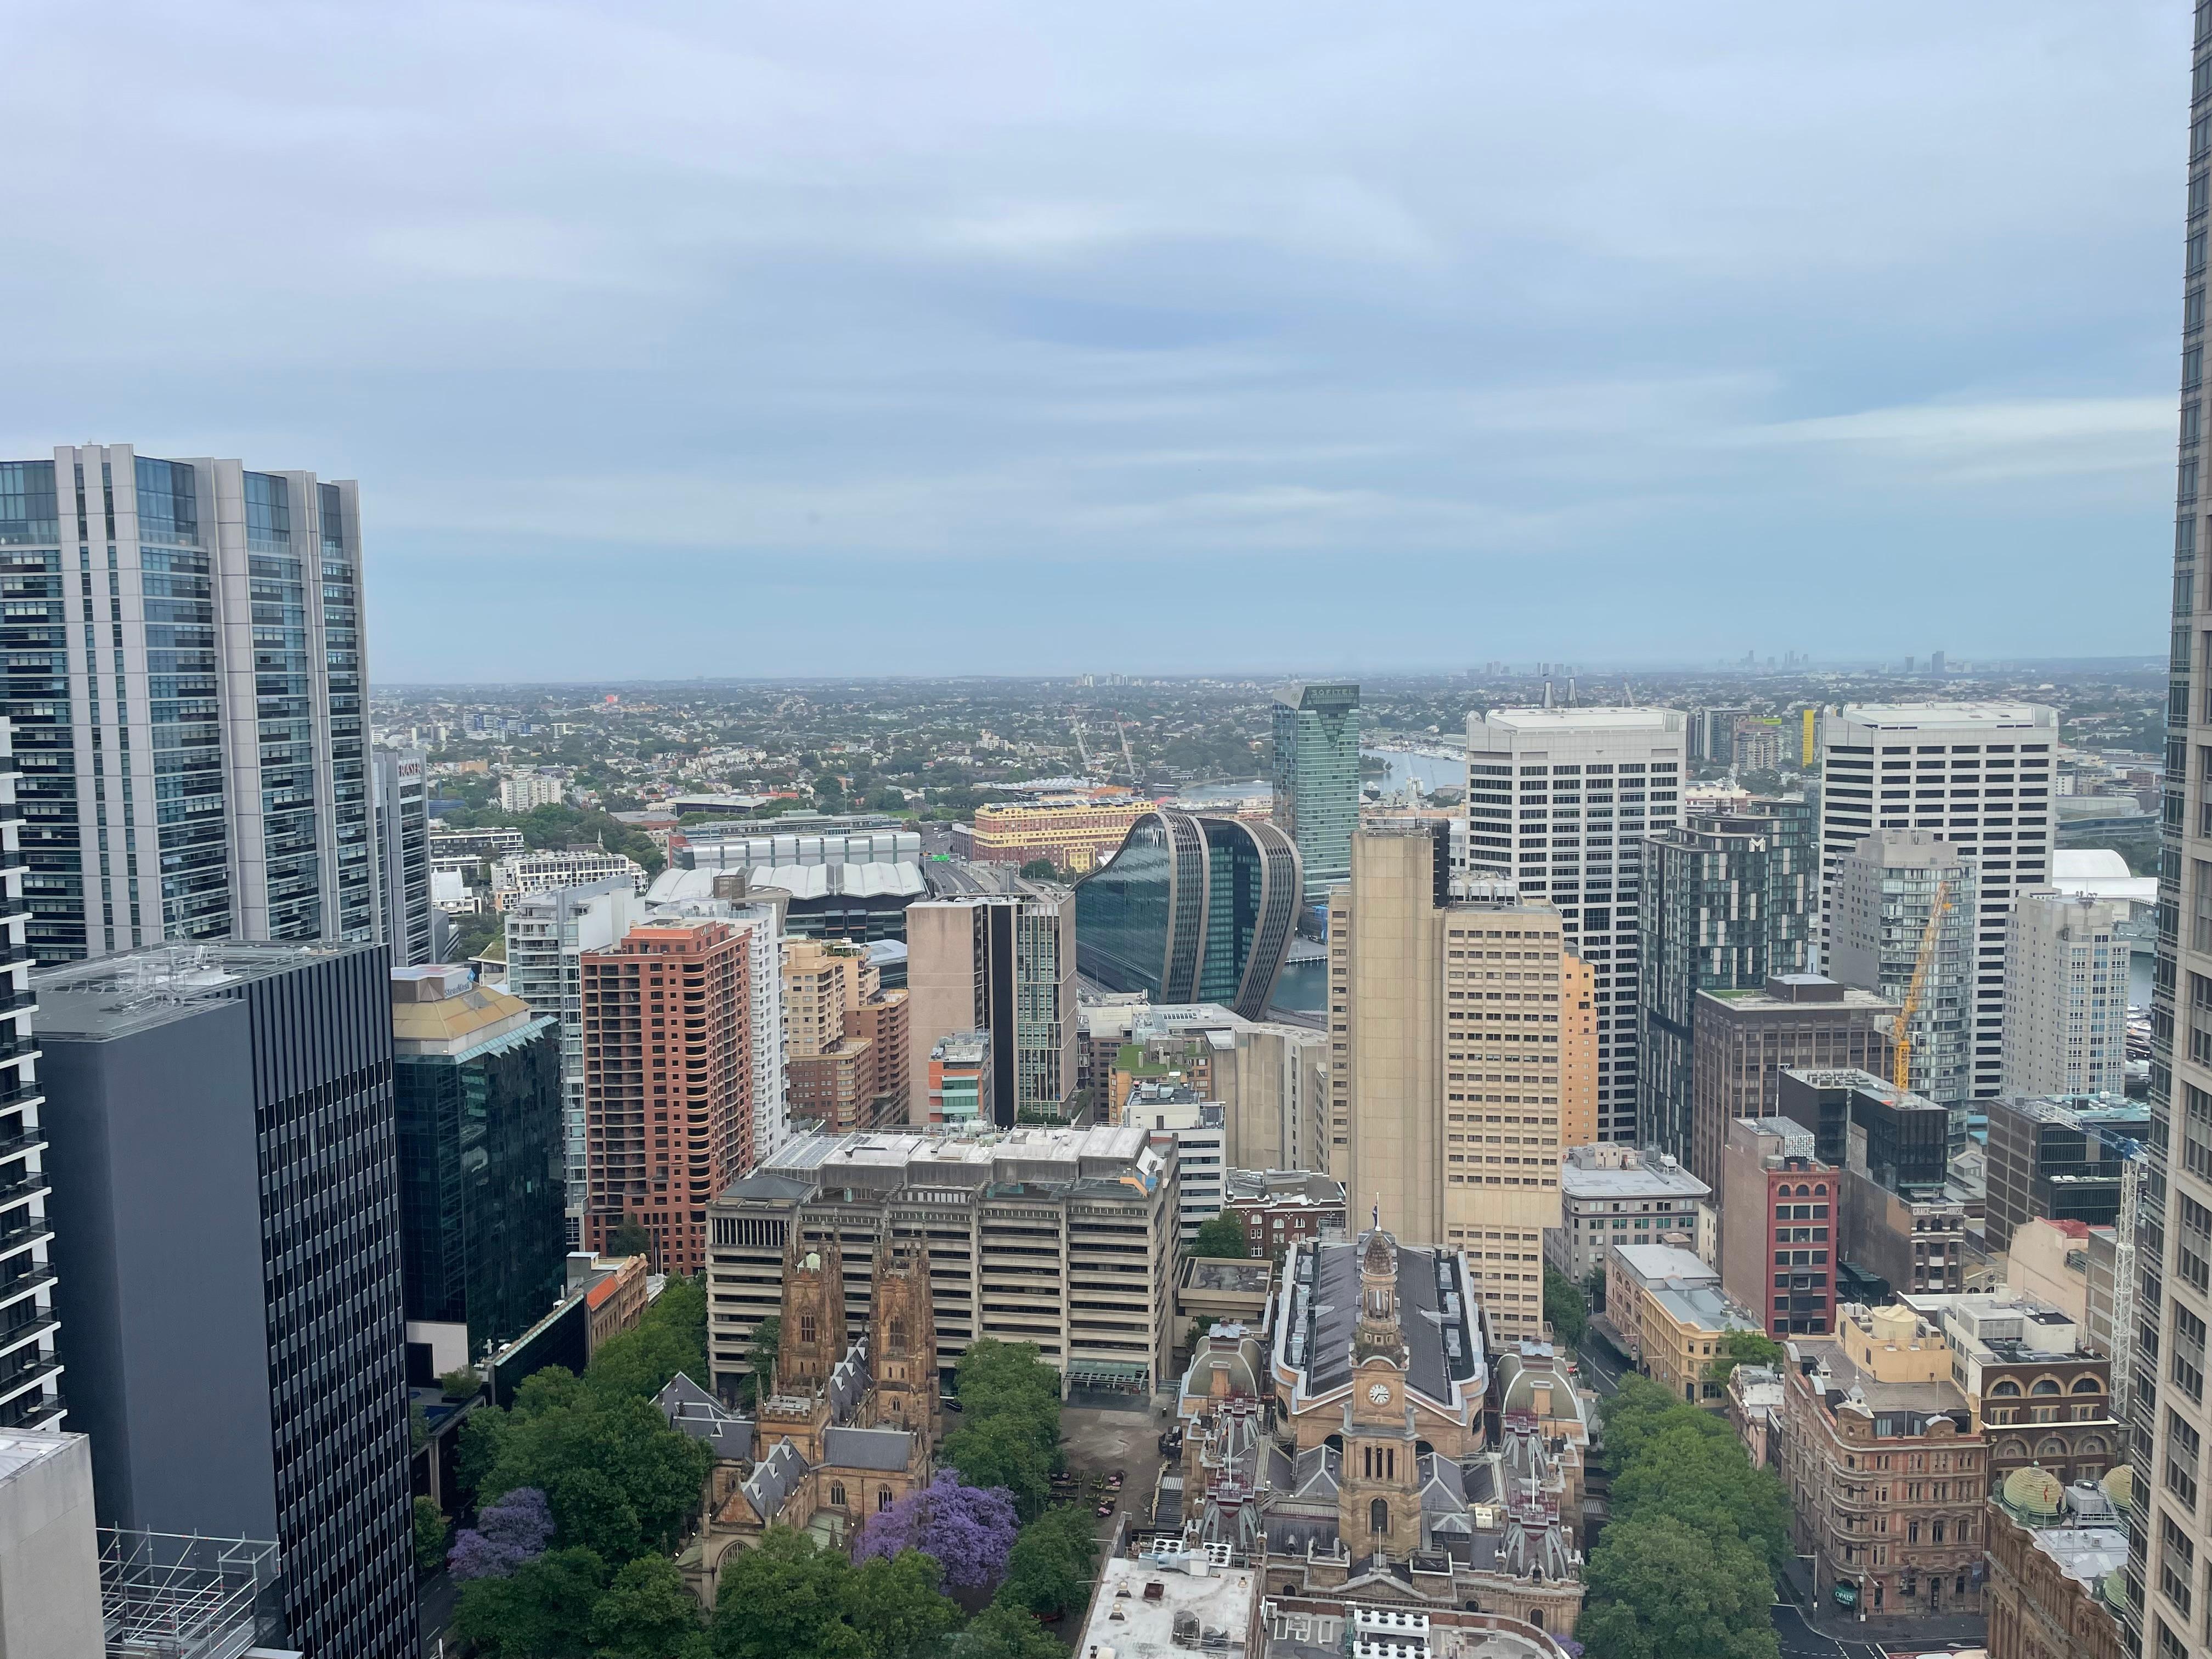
pixel 1847 1596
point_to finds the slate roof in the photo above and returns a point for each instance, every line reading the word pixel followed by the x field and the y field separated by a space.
pixel 775 1479
pixel 1332 1309
pixel 691 1408
pixel 866 1449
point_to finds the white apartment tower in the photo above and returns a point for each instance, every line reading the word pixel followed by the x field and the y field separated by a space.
pixel 2066 997
pixel 547 935
pixel 183 644
pixel 1978 774
pixel 1559 800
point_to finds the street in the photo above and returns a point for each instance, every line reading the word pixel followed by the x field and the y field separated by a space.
pixel 1601 1367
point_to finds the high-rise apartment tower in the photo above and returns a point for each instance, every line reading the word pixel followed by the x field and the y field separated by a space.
pixel 1559 800
pixel 184 660
pixel 403 838
pixel 1976 774
pixel 1002 964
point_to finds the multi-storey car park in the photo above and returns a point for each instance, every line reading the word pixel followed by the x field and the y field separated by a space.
pixel 1062 1238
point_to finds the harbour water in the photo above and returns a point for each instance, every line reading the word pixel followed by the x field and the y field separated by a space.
pixel 1434 771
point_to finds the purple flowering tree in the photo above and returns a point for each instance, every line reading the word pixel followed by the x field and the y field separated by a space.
pixel 967 1530
pixel 512 1530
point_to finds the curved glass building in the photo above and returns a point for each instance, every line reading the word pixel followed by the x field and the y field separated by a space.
pixel 1192 909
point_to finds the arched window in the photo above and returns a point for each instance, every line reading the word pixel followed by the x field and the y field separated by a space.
pixel 806 1328
pixel 837 1494
pixel 898 1334
pixel 2091 1445
pixel 2045 1385
pixel 1378 1518
pixel 1821 1190
pixel 2087 1385
pixel 883 1499
pixel 1536 1617
pixel 2007 1389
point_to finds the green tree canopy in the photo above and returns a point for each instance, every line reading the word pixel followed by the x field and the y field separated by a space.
pixel 1703 1481
pixel 432 1531
pixel 1222 1236
pixel 648 1613
pixel 671 1337
pixel 791 1599
pixel 895 1603
pixel 543 1611
pixel 1660 1588
pixel 619 1481
pixel 1009 1432
pixel 1744 1348
pixel 1050 1570
pixel 1003 1631
pixel 1565 1307
pixel 768 1337
pixel 630 1238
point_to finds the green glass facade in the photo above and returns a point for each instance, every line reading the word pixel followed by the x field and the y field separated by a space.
pixel 1191 909
pixel 1317 779
pixel 483 1236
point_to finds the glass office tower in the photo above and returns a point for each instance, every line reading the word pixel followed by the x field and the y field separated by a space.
pixel 181 643
pixel 1192 909
pixel 1317 779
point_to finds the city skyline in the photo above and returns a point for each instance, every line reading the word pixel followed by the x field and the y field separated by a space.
pixel 1080 302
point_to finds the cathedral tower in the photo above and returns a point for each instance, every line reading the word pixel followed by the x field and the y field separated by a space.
pixel 1378 1501
pixel 812 1339
pixel 902 1337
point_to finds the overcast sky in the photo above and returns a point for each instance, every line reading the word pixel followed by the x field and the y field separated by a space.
pixel 924 338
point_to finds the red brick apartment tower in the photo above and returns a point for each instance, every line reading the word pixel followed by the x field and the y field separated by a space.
pixel 1779 1210
pixel 668 1107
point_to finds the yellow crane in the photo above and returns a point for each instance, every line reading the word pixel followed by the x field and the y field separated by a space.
pixel 1901 1036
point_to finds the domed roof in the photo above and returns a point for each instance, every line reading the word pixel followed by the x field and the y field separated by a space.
pixel 2115 1589
pixel 1380 1258
pixel 2034 1491
pixel 2119 1485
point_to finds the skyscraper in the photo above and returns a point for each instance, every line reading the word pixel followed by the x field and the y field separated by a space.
pixel 2171 1236
pixel 1727 899
pixel 668 1081
pixel 30 1372
pixel 1192 909
pixel 1978 774
pixel 226 1201
pixel 2066 996
pixel 403 838
pixel 1560 800
pixel 547 935
pixel 1902 906
pixel 184 654
pixel 1316 778
pixel 1003 965
pixel 476 1087
pixel 1450 1072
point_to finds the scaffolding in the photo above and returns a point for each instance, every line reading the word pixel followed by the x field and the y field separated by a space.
pixel 168 1595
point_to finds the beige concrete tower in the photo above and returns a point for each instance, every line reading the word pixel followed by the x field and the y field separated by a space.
pixel 1453 1062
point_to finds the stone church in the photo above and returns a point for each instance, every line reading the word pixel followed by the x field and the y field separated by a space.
pixel 848 1427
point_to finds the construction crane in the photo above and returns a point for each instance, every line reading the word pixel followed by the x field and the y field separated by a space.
pixel 1901 1036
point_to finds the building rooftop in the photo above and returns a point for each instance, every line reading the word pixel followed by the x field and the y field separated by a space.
pixel 1186 1601
pixel 1438 1315
pixel 1578 718
pixel 1654 1175
pixel 2077 1111
pixel 956 1156
pixel 1665 1264
pixel 1763 1001
pixel 1911 716
pixel 113 996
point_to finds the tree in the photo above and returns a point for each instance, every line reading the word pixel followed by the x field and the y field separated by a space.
pixel 648 1613
pixel 894 1602
pixel 1565 1307
pixel 541 1611
pixel 761 1352
pixel 967 1530
pixel 1009 1426
pixel 431 1531
pixel 1594 1289
pixel 630 1238
pixel 671 1337
pixel 1744 1348
pixel 1003 1452
pixel 1003 1631
pixel 1222 1236
pixel 618 1479
pixel 508 1535
pixel 461 1382
pixel 1661 1589
pixel 784 1599
pixel 1050 1569
pixel 1041 870
pixel 1686 1472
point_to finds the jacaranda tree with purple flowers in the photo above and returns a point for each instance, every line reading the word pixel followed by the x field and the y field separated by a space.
pixel 968 1530
pixel 507 1535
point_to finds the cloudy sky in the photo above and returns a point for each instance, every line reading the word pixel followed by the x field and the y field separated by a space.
pixel 735 338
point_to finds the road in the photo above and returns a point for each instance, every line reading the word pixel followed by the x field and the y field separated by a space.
pixel 1601 1366
pixel 1799 1640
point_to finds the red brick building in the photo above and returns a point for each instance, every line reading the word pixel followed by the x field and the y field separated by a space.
pixel 668 1071
pixel 1779 1215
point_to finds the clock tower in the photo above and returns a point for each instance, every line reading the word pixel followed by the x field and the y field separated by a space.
pixel 1378 1490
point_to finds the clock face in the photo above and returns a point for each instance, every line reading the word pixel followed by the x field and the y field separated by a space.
pixel 1379 1393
